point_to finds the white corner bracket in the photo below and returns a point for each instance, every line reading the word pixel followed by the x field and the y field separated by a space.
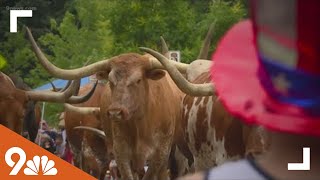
pixel 305 165
pixel 14 14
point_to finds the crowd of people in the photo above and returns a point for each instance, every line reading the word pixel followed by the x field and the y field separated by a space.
pixel 54 141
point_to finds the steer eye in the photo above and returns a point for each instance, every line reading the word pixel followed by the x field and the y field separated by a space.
pixel 138 81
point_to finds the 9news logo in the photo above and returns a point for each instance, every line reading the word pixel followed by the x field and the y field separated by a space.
pixel 23 159
pixel 33 166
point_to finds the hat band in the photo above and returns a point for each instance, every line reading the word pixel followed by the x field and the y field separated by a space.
pixel 290 86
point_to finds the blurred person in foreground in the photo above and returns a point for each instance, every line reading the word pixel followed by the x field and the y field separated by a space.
pixel 267 72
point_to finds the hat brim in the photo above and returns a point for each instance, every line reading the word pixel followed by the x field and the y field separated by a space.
pixel 235 77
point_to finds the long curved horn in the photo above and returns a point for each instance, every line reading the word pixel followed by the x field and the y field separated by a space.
pixel 182 83
pixel 77 88
pixel 155 64
pixel 66 87
pixel 82 110
pixel 69 83
pixel 62 73
pixel 53 96
pixel 164 47
pixel 54 88
pixel 99 132
pixel 81 99
pixel 203 54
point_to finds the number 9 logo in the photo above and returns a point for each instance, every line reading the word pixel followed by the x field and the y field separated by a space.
pixel 16 165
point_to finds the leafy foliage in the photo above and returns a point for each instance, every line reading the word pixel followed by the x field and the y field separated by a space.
pixel 223 14
pixel 14 46
pixel 3 62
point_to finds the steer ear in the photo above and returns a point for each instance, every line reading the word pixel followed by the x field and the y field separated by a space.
pixel 102 75
pixel 21 97
pixel 155 74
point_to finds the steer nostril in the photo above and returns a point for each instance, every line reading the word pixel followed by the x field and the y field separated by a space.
pixel 115 114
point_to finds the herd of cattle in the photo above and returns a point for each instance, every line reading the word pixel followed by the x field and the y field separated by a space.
pixel 148 108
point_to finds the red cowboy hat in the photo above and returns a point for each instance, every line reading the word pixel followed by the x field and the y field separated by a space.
pixel 267 70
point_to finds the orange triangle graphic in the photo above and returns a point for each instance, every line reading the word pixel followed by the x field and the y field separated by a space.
pixel 9 139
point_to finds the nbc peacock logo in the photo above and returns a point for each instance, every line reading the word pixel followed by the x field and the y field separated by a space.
pixel 47 166
pixel 36 166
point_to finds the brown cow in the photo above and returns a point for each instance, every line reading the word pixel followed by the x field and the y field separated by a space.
pixel 138 114
pixel 89 150
pixel 32 116
pixel 213 135
pixel 178 164
pixel 13 101
pixel 12 104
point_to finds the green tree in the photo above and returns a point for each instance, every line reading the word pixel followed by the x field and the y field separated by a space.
pixel 73 32
pixel 14 46
pixel 81 36
pixel 224 14
pixel 141 23
pixel 21 60
pixel 2 62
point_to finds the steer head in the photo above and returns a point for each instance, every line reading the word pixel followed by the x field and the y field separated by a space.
pixel 12 104
pixel 128 77
pixel 13 101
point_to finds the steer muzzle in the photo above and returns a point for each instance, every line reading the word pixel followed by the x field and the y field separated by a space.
pixel 117 114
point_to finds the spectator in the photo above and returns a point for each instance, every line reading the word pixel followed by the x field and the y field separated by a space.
pixel 43 127
pixel 48 145
pixel 60 146
pixel 67 155
pixel 53 134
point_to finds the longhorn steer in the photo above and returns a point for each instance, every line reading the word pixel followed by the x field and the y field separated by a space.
pixel 213 135
pixel 139 113
pixel 32 116
pixel 89 150
pixel 130 110
pixel 13 101
pixel 12 104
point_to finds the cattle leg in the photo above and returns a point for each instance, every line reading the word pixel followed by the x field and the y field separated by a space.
pixel 157 169
pixel 95 173
pixel 163 172
pixel 136 176
pixel 76 156
pixel 122 156
pixel 137 172
pixel 178 163
pixel 124 168
pixel 103 171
